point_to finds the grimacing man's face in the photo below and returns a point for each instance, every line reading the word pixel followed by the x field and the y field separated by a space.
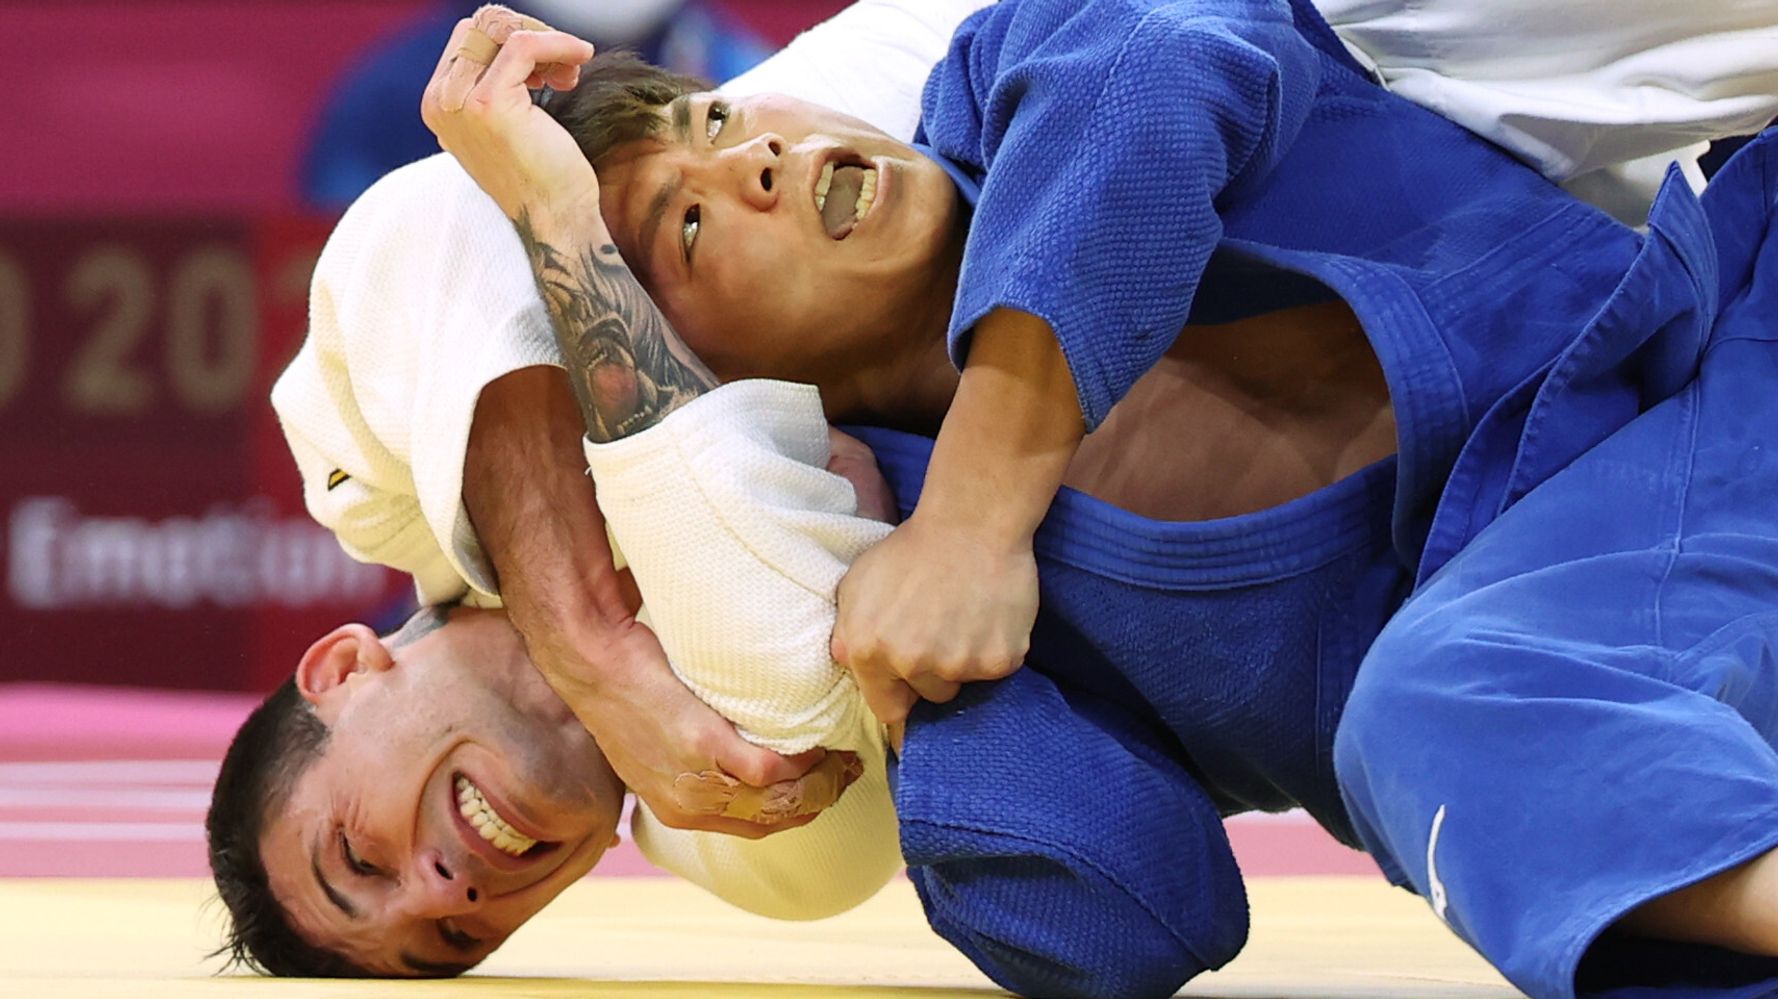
pixel 385 850
pixel 725 221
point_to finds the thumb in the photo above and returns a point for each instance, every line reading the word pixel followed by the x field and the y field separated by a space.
pixel 758 766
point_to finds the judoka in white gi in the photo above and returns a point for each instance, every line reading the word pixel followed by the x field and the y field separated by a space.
pixel 375 420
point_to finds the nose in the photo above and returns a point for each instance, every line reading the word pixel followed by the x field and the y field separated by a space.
pixel 437 889
pixel 756 168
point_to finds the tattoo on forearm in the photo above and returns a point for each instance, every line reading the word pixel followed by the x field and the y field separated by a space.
pixel 628 366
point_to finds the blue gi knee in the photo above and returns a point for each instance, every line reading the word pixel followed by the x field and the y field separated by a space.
pixel 1057 844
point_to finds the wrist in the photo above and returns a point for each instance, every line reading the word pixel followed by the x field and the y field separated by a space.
pixel 965 517
pixel 566 216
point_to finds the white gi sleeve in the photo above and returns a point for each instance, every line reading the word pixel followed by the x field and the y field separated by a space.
pixel 870 60
pixel 738 536
pixel 422 296
pixel 1597 94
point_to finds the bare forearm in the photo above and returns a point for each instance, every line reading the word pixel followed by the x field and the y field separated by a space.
pixel 1010 434
pixel 951 596
pixel 534 509
pixel 628 367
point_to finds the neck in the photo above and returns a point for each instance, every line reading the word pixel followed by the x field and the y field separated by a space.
pixel 910 388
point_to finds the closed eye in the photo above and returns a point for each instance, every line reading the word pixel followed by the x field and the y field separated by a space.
pixel 356 864
pixel 457 939
pixel 688 230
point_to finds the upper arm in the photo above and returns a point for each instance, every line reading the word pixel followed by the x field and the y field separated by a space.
pixel 1156 110
pixel 351 489
pixel 421 298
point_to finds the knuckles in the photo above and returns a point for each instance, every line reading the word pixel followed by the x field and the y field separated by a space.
pixel 702 743
pixel 491 18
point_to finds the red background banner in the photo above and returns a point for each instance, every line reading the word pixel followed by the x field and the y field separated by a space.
pixel 154 262
pixel 154 528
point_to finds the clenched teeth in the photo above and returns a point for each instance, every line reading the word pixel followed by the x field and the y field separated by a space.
pixel 475 808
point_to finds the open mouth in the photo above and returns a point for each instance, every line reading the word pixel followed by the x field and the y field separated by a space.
pixel 498 830
pixel 845 193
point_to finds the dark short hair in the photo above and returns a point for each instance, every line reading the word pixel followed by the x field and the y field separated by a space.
pixel 274 747
pixel 618 101
pixel 276 744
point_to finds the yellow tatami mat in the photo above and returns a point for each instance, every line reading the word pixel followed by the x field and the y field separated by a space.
pixel 654 938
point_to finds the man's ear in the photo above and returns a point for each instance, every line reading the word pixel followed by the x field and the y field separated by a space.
pixel 322 672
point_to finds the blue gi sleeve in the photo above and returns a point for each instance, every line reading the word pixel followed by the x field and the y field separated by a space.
pixel 1056 844
pixel 1105 131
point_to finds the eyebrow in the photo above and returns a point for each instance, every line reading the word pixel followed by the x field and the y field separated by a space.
pixel 679 112
pixel 339 901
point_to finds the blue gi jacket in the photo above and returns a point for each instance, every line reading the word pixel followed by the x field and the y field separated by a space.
pixel 1142 165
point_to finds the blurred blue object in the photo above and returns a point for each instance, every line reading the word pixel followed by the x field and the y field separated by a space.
pixel 371 122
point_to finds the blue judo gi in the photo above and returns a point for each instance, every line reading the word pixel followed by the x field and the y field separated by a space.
pixel 1135 166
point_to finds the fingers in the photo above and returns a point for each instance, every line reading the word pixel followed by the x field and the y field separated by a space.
pixel 708 792
pixel 935 689
pixel 888 697
pixel 815 791
pixel 719 742
pixel 525 54
pixel 712 791
pixel 758 766
pixel 482 50
pixel 728 827
pixel 470 53
pixel 807 795
pixel 463 28
pixel 891 692
pixel 557 76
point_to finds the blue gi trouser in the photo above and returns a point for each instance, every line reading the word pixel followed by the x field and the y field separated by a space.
pixel 1577 712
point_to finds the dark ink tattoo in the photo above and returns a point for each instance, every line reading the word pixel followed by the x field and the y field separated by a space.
pixel 628 366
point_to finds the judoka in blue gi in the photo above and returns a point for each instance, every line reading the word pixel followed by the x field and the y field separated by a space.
pixel 1571 714
pixel 1541 619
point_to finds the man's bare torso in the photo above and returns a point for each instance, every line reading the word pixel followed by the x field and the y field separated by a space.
pixel 1243 416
